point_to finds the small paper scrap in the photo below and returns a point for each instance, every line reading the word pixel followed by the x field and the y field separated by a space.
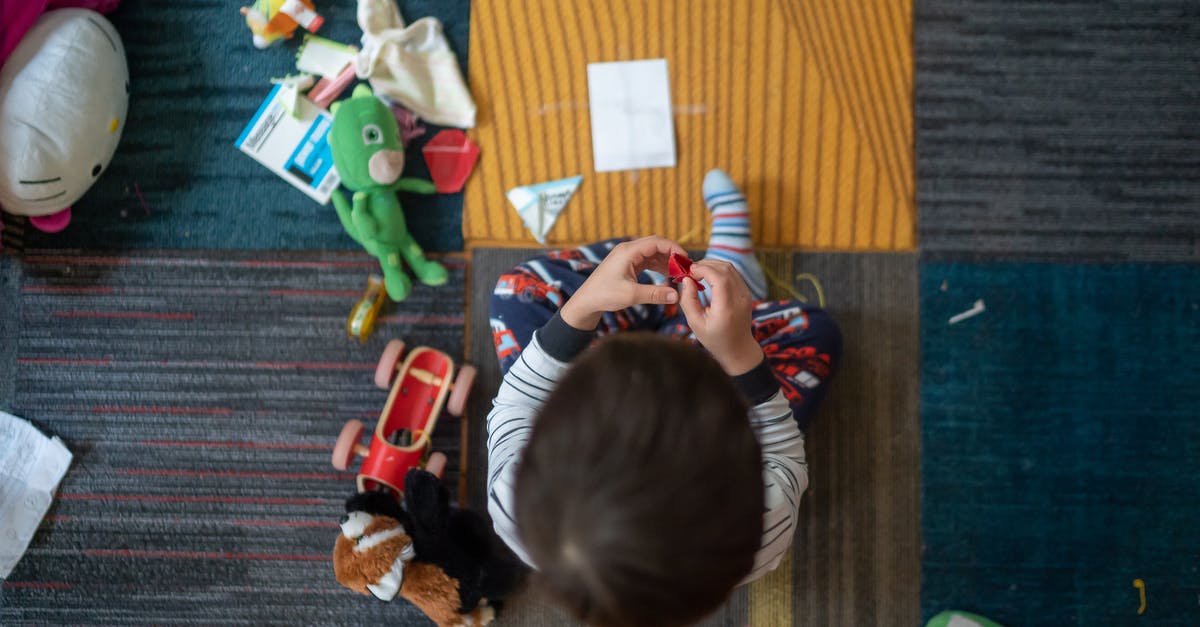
pixel 539 205
pixel 324 57
pixel 31 466
pixel 975 310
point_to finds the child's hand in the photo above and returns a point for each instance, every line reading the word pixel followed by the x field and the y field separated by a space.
pixel 724 326
pixel 613 285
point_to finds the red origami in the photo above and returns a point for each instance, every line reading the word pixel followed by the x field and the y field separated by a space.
pixel 450 156
pixel 680 268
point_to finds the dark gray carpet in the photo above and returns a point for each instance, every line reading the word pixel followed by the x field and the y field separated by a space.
pixel 10 326
pixel 201 394
pixel 1058 130
pixel 857 559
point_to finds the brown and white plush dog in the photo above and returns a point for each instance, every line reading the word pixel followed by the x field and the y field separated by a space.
pixel 441 560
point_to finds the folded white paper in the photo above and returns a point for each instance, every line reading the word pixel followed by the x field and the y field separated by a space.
pixel 539 205
pixel 630 105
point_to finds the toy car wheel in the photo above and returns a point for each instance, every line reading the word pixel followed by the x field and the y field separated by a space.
pixel 343 451
pixel 436 464
pixel 462 388
pixel 387 364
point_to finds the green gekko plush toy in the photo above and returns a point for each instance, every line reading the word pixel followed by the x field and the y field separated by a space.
pixel 369 158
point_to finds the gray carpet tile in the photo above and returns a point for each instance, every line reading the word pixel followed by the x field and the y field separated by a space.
pixel 857 557
pixel 201 394
pixel 1058 130
pixel 10 280
pixel 12 233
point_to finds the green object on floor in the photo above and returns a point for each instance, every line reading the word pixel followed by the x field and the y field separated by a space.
pixel 954 618
pixel 369 156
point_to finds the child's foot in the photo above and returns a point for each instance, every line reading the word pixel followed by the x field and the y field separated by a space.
pixel 730 240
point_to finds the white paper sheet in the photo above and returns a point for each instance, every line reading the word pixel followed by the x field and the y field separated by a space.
pixel 31 465
pixel 630 104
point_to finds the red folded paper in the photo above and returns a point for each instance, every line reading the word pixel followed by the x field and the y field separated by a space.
pixel 680 268
pixel 450 156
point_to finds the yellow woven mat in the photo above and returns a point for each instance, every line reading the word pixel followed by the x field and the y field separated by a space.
pixel 806 103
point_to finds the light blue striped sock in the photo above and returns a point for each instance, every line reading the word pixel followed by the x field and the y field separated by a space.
pixel 730 239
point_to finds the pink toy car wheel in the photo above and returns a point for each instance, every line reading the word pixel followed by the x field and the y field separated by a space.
pixel 436 464
pixel 348 440
pixel 387 364
pixel 457 404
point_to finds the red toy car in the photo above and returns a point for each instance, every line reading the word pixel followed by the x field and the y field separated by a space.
pixel 420 386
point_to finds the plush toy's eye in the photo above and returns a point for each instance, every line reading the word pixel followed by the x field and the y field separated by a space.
pixel 96 170
pixel 372 134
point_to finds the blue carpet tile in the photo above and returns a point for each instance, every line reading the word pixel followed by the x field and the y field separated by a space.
pixel 1061 446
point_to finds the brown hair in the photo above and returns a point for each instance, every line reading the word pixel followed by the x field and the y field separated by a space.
pixel 640 495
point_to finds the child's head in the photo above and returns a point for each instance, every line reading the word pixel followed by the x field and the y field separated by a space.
pixel 640 495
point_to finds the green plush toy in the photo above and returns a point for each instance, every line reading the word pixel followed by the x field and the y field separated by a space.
pixel 369 158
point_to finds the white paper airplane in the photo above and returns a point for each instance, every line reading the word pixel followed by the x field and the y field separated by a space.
pixel 539 204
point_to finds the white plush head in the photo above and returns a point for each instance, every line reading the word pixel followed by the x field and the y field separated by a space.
pixel 64 94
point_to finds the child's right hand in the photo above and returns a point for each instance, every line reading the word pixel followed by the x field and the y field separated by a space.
pixel 613 285
pixel 724 327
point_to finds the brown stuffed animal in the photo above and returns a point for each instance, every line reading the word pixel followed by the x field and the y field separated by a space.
pixel 443 561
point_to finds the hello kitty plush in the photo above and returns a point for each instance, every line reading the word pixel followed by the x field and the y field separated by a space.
pixel 64 95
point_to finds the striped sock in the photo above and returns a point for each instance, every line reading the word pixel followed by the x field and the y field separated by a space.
pixel 730 240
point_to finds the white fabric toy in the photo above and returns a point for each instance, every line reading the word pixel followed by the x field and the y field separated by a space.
pixel 64 94
pixel 412 65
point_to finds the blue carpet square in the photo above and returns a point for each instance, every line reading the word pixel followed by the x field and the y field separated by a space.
pixel 1061 447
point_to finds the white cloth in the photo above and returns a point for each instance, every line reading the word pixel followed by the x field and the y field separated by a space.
pixel 412 65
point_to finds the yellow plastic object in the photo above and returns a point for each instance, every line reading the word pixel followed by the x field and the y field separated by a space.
pixel 361 322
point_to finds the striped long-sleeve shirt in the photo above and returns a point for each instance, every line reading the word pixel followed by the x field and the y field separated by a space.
pixel 529 381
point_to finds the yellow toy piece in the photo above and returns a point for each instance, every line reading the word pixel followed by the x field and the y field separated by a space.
pixel 272 20
pixel 361 322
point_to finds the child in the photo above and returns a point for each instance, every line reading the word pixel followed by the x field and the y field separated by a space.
pixel 628 474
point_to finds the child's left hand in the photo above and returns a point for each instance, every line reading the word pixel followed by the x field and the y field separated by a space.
pixel 613 285
pixel 724 326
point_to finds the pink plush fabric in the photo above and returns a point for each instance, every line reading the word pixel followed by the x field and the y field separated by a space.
pixel 18 16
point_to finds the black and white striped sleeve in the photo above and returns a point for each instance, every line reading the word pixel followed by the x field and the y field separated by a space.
pixel 522 392
pixel 785 478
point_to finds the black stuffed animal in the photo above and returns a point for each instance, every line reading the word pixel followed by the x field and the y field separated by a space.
pixel 446 561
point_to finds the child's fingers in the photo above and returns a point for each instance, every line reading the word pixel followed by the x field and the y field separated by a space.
pixel 651 253
pixel 654 295
pixel 689 302
pixel 721 276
